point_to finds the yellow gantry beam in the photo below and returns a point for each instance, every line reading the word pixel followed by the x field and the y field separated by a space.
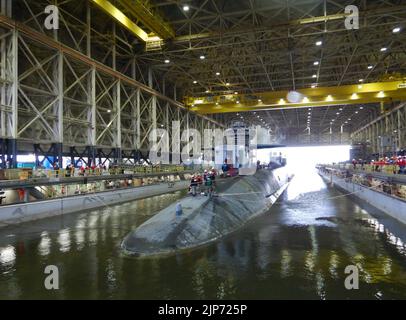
pixel 304 98
pixel 125 21
pixel 119 16
pixel 144 13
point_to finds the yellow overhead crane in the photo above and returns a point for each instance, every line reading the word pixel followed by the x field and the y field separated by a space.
pixel 304 98
pixel 142 12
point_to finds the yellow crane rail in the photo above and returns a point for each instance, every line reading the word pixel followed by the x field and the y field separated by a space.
pixel 141 12
pixel 304 98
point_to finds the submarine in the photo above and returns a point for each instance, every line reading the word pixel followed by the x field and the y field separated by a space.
pixel 205 219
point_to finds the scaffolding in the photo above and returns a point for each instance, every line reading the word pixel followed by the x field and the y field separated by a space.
pixel 77 91
pixel 386 134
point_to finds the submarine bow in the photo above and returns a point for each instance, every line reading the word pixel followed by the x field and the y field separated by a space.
pixel 206 219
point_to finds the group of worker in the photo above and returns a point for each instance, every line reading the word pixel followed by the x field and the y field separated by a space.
pixel 208 179
pixel 398 161
pixel 84 169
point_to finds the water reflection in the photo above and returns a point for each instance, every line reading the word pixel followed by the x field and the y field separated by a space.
pixel 308 178
pixel 44 247
pixel 64 240
pixel 286 260
pixel 299 249
pixel 334 263
pixel 7 256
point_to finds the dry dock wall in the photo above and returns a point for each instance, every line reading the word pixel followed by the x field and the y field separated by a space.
pixel 392 206
pixel 17 213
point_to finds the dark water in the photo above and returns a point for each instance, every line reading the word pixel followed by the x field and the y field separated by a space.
pixel 298 250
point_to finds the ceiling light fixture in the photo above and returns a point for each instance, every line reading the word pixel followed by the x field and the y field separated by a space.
pixel 381 94
pixel 354 96
pixel 396 30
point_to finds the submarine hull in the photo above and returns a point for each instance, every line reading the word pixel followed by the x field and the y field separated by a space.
pixel 205 219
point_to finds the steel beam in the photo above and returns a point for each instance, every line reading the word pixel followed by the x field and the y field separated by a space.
pixel 82 58
pixel 390 125
pixel 120 17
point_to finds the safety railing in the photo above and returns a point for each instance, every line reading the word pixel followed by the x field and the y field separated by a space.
pixel 383 168
pixel 28 174
pixel 380 185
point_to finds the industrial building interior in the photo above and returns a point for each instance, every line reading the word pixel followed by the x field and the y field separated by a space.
pixel 95 95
